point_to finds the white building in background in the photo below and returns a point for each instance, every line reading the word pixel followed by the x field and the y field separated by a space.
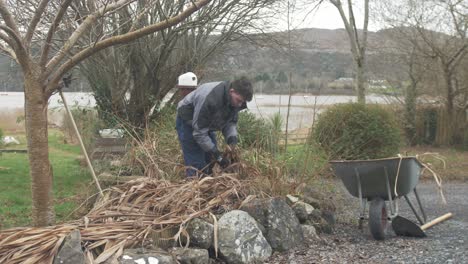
pixel 379 84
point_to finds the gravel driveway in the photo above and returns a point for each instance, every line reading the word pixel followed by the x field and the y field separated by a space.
pixel 446 242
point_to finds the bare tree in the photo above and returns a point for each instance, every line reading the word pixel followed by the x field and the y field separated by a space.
pixel 146 69
pixel 357 41
pixel 437 30
pixel 34 34
pixel 406 70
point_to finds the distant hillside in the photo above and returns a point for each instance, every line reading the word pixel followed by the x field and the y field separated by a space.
pixel 320 56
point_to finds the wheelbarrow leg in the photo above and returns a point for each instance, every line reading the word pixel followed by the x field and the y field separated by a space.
pixel 420 205
pixel 362 214
pixel 389 194
pixel 413 209
pixel 362 202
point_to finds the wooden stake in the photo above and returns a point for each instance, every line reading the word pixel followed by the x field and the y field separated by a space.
pixel 83 148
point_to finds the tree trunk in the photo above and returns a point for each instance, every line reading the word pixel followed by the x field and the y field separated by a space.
pixel 449 107
pixel 38 150
pixel 360 89
pixel 410 110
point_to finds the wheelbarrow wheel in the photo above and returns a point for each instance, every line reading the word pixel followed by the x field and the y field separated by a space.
pixel 378 219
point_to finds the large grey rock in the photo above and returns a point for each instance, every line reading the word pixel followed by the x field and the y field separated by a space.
pixel 71 251
pixel 201 233
pixel 317 220
pixel 302 211
pixel 240 240
pixel 315 216
pixel 146 256
pixel 283 230
pixel 191 255
pixel 329 216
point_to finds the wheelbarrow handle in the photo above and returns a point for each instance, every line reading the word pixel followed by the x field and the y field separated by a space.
pixel 436 221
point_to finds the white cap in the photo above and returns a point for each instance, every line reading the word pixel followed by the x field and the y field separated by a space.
pixel 187 79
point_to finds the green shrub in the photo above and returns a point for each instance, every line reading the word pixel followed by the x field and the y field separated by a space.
pixel 356 131
pixel 305 160
pixel 259 133
pixel 88 124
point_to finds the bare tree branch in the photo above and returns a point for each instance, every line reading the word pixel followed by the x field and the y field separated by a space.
pixel 52 29
pixel 10 52
pixel 17 46
pixel 8 18
pixel 7 39
pixel 34 21
pixel 84 26
pixel 120 39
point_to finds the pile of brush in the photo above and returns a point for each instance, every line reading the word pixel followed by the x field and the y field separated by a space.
pixel 126 215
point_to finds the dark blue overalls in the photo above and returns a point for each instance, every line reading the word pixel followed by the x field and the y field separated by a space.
pixel 196 159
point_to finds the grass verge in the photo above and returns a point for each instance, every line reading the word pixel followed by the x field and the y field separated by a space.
pixel 70 182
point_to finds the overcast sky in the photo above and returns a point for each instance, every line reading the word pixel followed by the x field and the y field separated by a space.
pixel 326 16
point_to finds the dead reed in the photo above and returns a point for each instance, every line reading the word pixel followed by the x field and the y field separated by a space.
pixel 126 216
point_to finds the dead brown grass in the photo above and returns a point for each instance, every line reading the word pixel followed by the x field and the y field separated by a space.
pixel 10 120
pixel 128 214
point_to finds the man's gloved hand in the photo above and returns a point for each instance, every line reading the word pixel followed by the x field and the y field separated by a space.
pixel 219 158
pixel 224 163
pixel 231 141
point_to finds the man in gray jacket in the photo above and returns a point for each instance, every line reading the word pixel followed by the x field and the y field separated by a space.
pixel 211 107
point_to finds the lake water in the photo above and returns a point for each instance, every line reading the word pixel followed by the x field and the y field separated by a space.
pixel 303 110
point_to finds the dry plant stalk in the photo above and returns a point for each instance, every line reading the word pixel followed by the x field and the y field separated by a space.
pixel 126 216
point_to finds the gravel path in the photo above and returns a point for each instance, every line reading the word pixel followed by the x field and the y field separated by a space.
pixel 446 242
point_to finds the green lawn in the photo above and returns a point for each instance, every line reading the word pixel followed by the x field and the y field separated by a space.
pixel 70 181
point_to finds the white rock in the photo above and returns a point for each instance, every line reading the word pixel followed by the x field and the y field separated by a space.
pixel 292 199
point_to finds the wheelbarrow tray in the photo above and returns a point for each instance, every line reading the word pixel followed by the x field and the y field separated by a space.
pixel 371 176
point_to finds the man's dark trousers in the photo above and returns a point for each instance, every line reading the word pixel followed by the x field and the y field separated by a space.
pixel 194 155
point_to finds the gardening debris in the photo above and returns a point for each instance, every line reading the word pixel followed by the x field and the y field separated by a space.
pixel 126 216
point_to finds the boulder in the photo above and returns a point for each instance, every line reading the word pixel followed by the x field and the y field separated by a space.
pixel 303 211
pixel 329 216
pixel 70 251
pixel 317 220
pixel 146 256
pixel 191 255
pixel 282 228
pixel 240 240
pixel 201 233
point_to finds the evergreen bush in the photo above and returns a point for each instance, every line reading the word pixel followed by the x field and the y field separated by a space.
pixel 357 131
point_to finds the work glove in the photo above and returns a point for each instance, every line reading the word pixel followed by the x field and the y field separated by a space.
pixel 223 162
pixel 231 141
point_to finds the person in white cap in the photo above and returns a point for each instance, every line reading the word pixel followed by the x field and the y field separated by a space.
pixel 187 83
pixel 211 107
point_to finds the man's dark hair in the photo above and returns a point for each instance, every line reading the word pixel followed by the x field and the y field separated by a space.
pixel 244 87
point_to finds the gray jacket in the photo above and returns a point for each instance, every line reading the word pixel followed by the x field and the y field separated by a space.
pixel 208 108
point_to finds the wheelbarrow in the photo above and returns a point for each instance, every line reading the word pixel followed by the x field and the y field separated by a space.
pixel 378 181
